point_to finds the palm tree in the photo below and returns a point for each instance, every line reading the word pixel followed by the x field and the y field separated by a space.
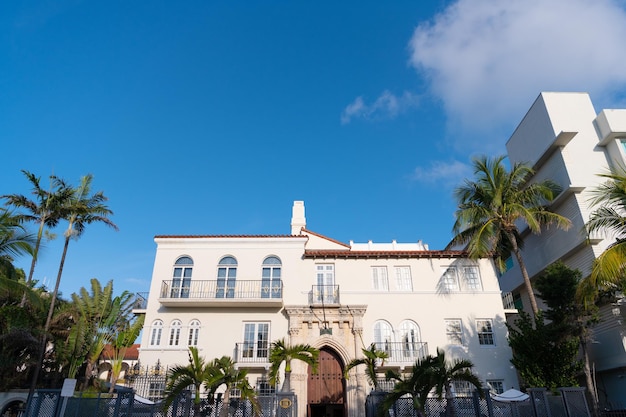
pixel 281 352
pixel 416 385
pixel 80 209
pixel 609 203
pixel 180 378
pixel 223 371
pixel 14 240
pixel 444 374
pixel 46 209
pixel 372 357
pixel 120 342
pixel 101 317
pixel 491 207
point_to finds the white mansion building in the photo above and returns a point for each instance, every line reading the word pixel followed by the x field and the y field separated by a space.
pixel 234 295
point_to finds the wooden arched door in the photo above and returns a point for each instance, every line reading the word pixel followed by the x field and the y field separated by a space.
pixel 326 388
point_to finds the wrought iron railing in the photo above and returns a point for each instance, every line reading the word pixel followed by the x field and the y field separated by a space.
pixel 141 301
pixel 324 294
pixel 403 352
pixel 222 289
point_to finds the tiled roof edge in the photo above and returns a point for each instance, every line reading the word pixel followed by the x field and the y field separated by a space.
pixel 325 237
pixel 429 254
pixel 224 236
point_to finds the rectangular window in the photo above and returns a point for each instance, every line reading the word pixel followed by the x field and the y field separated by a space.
pixel 325 275
pixel 484 328
pixel 454 331
pixel 462 388
pixel 472 278
pixel 403 278
pixel 379 278
pixel 174 336
pixel 156 391
pixel 194 332
pixel 155 338
pixel 263 386
pixel 496 386
pixel 255 340
pixel 449 279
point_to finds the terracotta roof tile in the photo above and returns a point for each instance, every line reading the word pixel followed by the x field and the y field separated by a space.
pixel 132 353
pixel 224 236
pixel 324 237
pixel 341 254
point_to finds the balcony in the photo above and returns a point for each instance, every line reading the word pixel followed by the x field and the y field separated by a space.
pixel 403 353
pixel 221 293
pixel 141 302
pixel 252 354
pixel 324 295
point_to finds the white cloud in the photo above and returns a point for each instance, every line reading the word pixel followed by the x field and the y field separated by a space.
pixel 487 60
pixel 443 173
pixel 386 106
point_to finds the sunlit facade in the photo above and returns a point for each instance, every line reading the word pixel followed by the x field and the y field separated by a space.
pixel 565 140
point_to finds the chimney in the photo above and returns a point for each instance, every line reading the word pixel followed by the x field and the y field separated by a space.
pixel 298 221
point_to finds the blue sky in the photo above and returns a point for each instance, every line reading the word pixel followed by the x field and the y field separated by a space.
pixel 212 117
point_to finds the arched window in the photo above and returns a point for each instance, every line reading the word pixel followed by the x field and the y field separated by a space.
pixel 226 277
pixel 175 328
pixel 155 334
pixel 383 337
pixel 194 332
pixel 271 284
pixel 181 281
pixel 409 336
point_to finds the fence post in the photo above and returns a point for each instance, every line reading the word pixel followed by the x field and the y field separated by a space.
pixel 476 400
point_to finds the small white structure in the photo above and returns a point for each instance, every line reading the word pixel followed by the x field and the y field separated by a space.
pixel 511 395
pixel 234 295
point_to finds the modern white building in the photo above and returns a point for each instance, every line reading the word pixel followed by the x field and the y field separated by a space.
pixel 234 295
pixel 565 140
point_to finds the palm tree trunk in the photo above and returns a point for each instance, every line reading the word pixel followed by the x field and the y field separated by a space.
pixel 225 403
pixel 36 251
pixel 196 401
pixel 287 383
pixel 33 261
pixel 522 267
pixel 450 410
pixel 591 386
pixel 44 337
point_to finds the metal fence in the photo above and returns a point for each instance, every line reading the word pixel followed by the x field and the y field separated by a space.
pixel 570 402
pixel 49 403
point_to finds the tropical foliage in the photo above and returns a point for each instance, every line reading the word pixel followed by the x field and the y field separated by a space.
pixel 223 372
pixel 281 352
pixel 445 373
pixel 608 218
pixel 14 240
pixel 430 374
pixel 491 207
pixel 372 359
pixel 195 375
pixel 416 385
pixel 570 318
pixel 200 375
pixel 46 209
pixel 123 338
pixel 69 336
